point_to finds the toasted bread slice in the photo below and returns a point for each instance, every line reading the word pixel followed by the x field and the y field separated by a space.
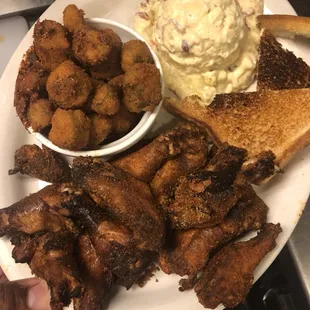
pixel 278 121
pixel 286 26
pixel 279 68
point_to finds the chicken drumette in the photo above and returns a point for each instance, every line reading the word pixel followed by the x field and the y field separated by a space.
pixel 193 247
pixel 123 196
pixel 43 164
pixel 228 276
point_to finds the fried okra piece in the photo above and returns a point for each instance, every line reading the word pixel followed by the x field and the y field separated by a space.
pixel 117 84
pixel 142 88
pixel 105 100
pixel 106 71
pixel 50 43
pixel 111 66
pixel 43 164
pixel 135 51
pixel 40 114
pixel 91 46
pixel 70 129
pixel 68 86
pixel 73 18
pixel 99 129
pixel 123 121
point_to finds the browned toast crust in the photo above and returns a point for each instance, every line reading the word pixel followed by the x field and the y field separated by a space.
pixel 279 68
pixel 260 121
pixel 286 26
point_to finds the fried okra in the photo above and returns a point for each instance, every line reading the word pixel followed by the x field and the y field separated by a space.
pixel 135 51
pixel 123 121
pixel 50 43
pixel 117 83
pixel 70 129
pixel 68 86
pixel 91 46
pixel 142 88
pixel 40 114
pixel 105 100
pixel 111 66
pixel 73 18
pixel 99 129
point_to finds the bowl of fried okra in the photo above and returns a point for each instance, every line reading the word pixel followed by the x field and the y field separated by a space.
pixel 89 87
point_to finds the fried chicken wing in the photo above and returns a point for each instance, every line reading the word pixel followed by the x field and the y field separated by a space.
pixel 193 246
pixel 144 163
pixel 43 164
pixel 142 88
pixel 97 278
pixel 194 151
pixel 54 261
pixel 50 43
pixel 203 198
pixel 123 196
pixel 228 276
pixel 39 212
pixel 112 241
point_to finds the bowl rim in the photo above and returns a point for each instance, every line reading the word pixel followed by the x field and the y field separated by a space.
pixel 137 133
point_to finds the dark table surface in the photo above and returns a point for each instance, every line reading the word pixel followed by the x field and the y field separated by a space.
pixel 302 7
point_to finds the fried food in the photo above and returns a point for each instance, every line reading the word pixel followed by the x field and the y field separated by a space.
pixel 30 85
pixel 91 46
pixel 40 114
pixel 120 194
pixel 135 51
pixel 228 276
pixel 105 100
pixel 50 43
pixel 111 66
pixel 117 84
pixel 144 163
pixel 73 18
pixel 54 261
pixel 123 121
pixel 43 211
pixel 194 154
pixel 106 70
pixel 142 88
pixel 43 164
pixel 99 129
pixel 70 129
pixel 193 247
pixel 203 198
pixel 113 242
pixel 68 86
pixel 97 278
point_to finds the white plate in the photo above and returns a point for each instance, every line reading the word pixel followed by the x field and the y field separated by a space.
pixel 286 194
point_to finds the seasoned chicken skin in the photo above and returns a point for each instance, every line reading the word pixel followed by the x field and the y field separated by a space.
pixel 194 246
pixel 128 199
pixel 43 164
pixel 228 276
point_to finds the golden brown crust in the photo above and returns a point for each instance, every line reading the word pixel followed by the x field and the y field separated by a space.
pixel 269 120
pixel 279 68
pixel 285 25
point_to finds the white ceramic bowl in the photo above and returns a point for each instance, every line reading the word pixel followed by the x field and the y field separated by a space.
pixel 144 125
